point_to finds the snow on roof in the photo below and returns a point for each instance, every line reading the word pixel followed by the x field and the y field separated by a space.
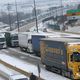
pixel 2 35
pixel 68 40
pixel 7 72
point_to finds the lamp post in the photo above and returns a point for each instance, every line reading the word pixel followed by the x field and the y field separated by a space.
pixel 9 16
pixel 17 16
pixel 62 15
pixel 61 6
pixel 35 15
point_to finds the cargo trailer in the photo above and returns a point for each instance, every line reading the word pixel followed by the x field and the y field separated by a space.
pixel 36 43
pixel 61 55
pixel 25 41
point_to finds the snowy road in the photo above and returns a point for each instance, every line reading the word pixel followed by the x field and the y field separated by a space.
pixel 3 78
pixel 30 67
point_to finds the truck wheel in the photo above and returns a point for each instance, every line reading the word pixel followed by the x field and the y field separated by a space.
pixel 48 68
pixel 71 76
pixel 21 49
pixel 64 73
pixel 28 50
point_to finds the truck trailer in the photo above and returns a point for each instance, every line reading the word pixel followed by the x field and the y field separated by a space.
pixel 62 56
pixel 25 41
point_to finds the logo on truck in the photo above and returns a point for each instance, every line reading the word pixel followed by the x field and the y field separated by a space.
pixel 54 50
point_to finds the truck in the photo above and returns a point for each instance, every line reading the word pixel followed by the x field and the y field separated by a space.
pixel 2 41
pixel 11 74
pixel 12 39
pixel 62 56
pixel 25 41
pixel 28 41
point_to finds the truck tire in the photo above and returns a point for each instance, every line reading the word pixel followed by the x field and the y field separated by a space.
pixel 21 49
pixel 67 74
pixel 28 50
pixel 48 68
pixel 71 75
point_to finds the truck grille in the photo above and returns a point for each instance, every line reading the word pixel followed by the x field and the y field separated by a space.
pixel 15 43
pixel 1 45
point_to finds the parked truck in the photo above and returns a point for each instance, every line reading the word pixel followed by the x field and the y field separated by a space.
pixel 11 74
pixel 2 41
pixel 61 55
pixel 30 41
pixel 25 41
pixel 12 39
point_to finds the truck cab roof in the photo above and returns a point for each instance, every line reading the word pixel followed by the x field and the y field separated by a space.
pixel 19 77
pixel 2 35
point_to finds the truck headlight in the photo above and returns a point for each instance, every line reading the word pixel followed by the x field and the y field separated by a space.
pixel 78 74
pixel 4 46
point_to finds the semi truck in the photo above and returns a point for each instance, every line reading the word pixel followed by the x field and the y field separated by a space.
pixel 12 39
pixel 2 41
pixel 62 56
pixel 10 74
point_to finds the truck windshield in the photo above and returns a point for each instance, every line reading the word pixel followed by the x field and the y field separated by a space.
pixel 14 37
pixel 22 79
pixel 2 39
pixel 75 57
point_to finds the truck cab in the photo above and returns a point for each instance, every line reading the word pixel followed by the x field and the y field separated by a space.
pixel 2 41
pixel 74 59
pixel 14 40
pixel 11 74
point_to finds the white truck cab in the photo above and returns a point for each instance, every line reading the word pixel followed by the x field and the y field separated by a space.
pixel 11 74
pixel 2 41
pixel 18 77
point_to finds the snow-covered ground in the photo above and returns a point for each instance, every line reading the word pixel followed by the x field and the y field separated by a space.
pixel 40 28
pixel 75 29
pixel 2 78
pixel 25 66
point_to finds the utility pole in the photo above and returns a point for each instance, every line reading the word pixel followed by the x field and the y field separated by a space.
pixel 62 7
pixel 36 16
pixel 17 16
pixel 62 14
pixel 8 7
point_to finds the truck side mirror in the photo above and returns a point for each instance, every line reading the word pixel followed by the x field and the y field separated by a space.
pixel 72 57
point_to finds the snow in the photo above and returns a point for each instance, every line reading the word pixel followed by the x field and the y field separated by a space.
pixel 2 78
pixel 75 29
pixel 25 66
pixel 40 27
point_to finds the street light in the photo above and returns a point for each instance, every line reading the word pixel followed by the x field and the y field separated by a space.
pixel 35 15
pixel 17 15
pixel 8 7
pixel 62 15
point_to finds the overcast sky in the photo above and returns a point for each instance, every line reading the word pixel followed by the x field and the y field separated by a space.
pixel 12 1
